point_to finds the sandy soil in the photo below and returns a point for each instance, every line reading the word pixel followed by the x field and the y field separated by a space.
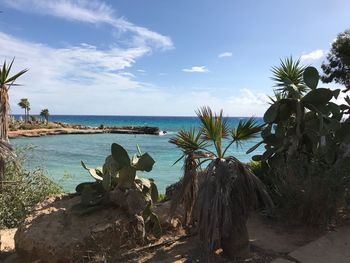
pixel 268 241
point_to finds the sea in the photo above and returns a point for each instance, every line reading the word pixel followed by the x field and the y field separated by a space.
pixel 60 155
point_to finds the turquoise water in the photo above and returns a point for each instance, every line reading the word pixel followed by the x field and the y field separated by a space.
pixel 61 155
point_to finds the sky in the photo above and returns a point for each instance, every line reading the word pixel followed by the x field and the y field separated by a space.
pixel 160 57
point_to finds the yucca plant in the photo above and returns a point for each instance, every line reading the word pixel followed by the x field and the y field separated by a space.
pixel 289 72
pixel 228 189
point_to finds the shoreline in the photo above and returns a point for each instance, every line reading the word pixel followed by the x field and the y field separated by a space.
pixel 73 129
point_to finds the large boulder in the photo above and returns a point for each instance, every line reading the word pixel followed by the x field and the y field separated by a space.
pixel 52 233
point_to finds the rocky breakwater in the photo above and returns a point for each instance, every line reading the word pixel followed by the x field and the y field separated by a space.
pixel 134 130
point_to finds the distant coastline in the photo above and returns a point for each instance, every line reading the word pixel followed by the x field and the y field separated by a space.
pixel 62 128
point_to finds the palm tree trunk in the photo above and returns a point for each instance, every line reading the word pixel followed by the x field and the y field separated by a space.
pixel 4 117
pixel 236 244
pixel 2 173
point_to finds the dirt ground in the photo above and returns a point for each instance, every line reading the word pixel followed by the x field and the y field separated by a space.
pixel 268 241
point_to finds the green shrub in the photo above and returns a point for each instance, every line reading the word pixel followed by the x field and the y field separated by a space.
pixel 23 189
pixel 304 165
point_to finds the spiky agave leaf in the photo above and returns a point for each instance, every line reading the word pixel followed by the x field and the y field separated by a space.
pixel 215 127
pixel 289 77
pixel 228 192
pixel 277 97
pixel 288 70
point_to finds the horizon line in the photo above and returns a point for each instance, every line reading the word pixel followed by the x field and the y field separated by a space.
pixel 108 115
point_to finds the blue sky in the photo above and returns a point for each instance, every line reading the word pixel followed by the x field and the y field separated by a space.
pixel 160 57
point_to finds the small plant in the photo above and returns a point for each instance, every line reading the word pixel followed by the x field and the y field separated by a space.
pixel 117 183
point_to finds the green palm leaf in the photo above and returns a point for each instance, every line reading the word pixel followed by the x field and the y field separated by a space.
pixel 188 141
pixel 215 127
pixel 246 130
pixel 5 83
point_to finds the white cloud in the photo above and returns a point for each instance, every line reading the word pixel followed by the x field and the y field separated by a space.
pixel 87 80
pixel 58 76
pixel 196 69
pixel 245 102
pixel 91 11
pixel 312 56
pixel 225 54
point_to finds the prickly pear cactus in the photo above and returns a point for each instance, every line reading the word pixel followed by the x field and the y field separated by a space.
pixel 117 183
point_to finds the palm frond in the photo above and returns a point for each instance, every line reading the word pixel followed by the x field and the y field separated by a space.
pixel 246 130
pixel 16 76
pixel 4 74
pixel 214 127
pixel 5 84
pixel 188 141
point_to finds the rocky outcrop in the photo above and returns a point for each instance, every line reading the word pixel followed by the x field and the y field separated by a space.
pixel 78 129
pixel 52 233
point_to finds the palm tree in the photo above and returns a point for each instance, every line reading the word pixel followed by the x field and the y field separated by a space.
pixel 228 190
pixel 6 82
pixel 45 114
pixel 190 144
pixel 24 104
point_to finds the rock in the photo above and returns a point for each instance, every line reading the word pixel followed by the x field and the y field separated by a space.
pixel 131 201
pixel 52 233
pixel 136 202
pixel 162 210
pixel 172 189
pixel 6 239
